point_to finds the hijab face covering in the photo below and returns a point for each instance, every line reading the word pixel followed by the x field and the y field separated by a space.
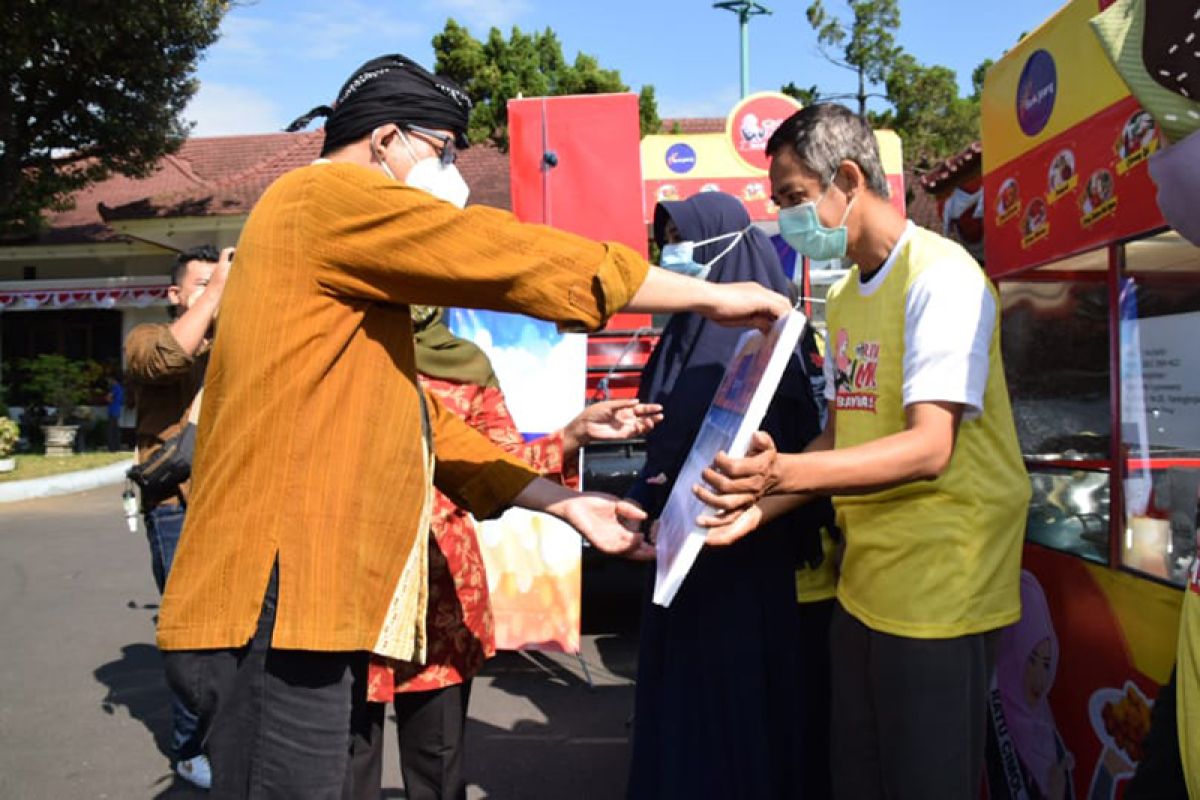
pixel 441 354
pixel 802 229
pixel 678 256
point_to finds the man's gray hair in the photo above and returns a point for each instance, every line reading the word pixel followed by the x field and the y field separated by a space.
pixel 826 134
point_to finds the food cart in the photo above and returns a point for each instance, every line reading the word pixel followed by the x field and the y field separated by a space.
pixel 1100 310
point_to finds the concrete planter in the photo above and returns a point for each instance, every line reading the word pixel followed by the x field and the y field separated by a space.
pixel 60 440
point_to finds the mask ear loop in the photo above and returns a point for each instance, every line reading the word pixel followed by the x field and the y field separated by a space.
pixel 739 235
pixel 408 146
pixel 377 151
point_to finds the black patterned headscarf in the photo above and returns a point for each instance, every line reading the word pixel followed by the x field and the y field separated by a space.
pixel 391 89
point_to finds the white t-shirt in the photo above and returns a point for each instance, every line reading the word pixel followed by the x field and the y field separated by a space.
pixel 949 315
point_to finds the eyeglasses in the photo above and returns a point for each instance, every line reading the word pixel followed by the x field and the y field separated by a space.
pixel 446 153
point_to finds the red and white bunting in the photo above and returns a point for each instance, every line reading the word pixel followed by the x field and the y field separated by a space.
pixel 101 297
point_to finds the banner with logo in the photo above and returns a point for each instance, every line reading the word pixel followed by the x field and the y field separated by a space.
pixel 1076 679
pixel 533 561
pixel 677 166
pixel 574 166
pixel 1064 149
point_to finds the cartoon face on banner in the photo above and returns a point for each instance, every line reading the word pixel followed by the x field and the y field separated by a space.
pixel 752 122
pixel 1062 177
pixel 1008 201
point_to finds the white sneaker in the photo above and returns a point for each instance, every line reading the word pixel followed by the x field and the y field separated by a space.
pixel 196 771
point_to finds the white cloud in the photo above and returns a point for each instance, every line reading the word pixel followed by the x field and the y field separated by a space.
pixel 318 34
pixel 480 15
pixel 718 103
pixel 244 38
pixel 328 34
pixel 220 109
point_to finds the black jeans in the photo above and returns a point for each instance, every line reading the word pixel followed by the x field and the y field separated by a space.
pixel 909 715
pixel 431 727
pixel 280 719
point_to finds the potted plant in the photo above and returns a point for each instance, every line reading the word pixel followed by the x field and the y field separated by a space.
pixel 10 432
pixel 61 383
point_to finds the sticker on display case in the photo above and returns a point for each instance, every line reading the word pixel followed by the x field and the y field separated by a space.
pixel 668 191
pixel 1098 199
pixel 1036 224
pixel 1139 139
pixel 1062 177
pixel 1008 201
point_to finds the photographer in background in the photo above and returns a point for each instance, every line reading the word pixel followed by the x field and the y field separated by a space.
pixel 165 365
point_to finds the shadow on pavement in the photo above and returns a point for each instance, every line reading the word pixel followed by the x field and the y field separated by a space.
pixel 136 682
pixel 568 739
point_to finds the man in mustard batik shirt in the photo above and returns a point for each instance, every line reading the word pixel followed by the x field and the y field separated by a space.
pixel 303 549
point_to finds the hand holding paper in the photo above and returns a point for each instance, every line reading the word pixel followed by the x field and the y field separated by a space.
pixel 736 484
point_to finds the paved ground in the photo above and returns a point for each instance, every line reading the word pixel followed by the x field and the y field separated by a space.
pixel 83 707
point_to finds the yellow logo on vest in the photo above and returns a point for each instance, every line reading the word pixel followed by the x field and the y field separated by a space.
pixel 855 374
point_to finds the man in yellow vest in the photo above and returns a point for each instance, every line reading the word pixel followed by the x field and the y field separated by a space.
pixel 921 457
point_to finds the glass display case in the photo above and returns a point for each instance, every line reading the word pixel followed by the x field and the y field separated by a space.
pixel 1055 336
pixel 1060 352
pixel 1160 404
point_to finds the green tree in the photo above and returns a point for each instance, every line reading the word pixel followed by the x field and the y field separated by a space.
pixel 532 65
pixel 867 41
pixel 931 119
pixel 55 380
pixel 92 89
pixel 806 96
pixel 977 76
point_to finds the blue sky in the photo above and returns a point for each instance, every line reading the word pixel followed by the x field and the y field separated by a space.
pixel 278 58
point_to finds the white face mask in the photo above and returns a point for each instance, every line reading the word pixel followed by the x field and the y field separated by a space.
pixel 443 181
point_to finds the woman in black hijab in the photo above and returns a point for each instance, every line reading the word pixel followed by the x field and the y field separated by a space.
pixel 719 699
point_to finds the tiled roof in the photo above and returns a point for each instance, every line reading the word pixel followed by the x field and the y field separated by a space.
pixel 968 160
pixel 483 166
pixel 225 175
pixel 694 125
pixel 920 205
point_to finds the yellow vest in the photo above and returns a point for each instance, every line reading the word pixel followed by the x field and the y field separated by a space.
pixel 814 584
pixel 1187 681
pixel 927 559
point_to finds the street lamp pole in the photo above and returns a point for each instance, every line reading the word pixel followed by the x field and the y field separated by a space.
pixel 745 9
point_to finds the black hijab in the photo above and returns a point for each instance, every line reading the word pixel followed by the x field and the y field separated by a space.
pixel 688 363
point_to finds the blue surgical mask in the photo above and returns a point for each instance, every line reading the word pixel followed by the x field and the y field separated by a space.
pixel 801 228
pixel 678 257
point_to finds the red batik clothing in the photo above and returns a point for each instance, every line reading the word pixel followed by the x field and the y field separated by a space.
pixel 459 622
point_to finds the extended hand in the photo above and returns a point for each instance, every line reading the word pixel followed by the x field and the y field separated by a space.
pixel 737 483
pixel 745 305
pixel 728 528
pixel 611 420
pixel 600 518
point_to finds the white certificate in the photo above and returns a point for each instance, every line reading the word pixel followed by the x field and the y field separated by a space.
pixel 736 411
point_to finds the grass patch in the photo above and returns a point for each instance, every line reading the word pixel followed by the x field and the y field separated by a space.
pixel 39 466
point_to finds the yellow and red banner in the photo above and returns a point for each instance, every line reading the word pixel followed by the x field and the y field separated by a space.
pixel 677 166
pixel 1076 678
pixel 1064 148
